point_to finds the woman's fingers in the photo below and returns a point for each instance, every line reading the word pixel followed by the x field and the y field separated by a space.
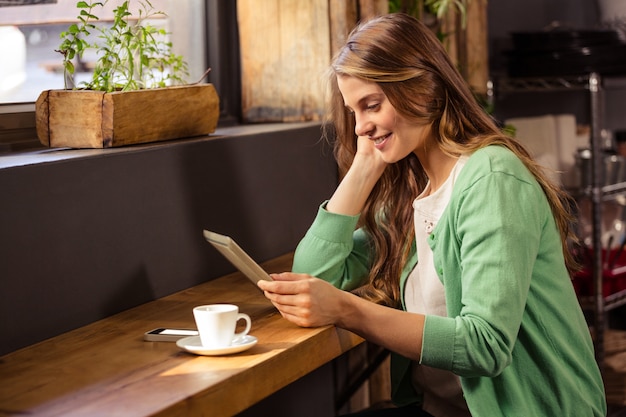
pixel 299 297
pixel 289 297
pixel 289 276
pixel 285 283
pixel 295 313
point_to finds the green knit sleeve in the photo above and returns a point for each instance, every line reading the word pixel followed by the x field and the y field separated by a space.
pixel 334 250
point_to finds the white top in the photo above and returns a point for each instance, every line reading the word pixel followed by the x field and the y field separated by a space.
pixel 424 293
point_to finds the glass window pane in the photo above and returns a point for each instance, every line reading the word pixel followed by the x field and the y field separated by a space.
pixel 29 36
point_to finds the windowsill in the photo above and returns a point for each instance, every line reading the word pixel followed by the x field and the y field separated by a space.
pixel 52 155
pixel 17 108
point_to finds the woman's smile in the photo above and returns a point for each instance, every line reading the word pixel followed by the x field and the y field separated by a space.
pixel 380 141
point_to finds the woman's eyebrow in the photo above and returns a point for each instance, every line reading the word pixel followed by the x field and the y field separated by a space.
pixel 364 99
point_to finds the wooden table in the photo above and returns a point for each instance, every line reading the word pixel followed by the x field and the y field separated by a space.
pixel 106 368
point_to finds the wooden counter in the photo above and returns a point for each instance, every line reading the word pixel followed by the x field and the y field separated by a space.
pixel 106 368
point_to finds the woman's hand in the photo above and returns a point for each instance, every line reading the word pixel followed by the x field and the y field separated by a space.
pixel 311 302
pixel 368 158
pixel 356 186
pixel 303 299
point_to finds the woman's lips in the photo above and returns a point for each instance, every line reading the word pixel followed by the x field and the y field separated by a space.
pixel 379 142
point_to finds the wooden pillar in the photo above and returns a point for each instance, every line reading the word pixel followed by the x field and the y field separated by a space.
pixel 285 48
pixel 372 8
pixel 476 46
pixel 286 45
pixel 343 17
pixel 346 14
pixel 466 43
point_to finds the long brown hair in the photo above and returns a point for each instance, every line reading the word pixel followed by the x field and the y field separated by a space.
pixel 412 68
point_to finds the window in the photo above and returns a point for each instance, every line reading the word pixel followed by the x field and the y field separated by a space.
pixel 203 32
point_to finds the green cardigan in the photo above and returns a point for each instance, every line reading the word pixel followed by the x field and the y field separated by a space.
pixel 514 333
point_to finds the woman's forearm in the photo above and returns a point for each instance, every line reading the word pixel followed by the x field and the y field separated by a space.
pixel 312 302
pixel 350 196
pixel 396 330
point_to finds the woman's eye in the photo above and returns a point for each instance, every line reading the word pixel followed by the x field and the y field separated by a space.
pixel 373 106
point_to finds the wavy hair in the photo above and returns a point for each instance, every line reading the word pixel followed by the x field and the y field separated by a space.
pixel 412 68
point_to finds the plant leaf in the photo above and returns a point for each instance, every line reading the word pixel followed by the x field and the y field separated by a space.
pixel 69 67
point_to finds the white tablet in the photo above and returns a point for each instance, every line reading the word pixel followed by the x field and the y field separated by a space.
pixel 231 251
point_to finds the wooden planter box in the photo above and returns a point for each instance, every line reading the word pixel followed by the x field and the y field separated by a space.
pixel 94 119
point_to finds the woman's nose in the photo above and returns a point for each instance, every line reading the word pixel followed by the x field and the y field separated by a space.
pixel 363 127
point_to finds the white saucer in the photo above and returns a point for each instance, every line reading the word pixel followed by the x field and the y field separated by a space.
pixel 193 344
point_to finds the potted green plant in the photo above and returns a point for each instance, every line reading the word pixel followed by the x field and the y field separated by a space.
pixel 137 92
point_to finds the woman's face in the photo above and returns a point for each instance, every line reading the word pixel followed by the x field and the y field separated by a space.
pixel 391 134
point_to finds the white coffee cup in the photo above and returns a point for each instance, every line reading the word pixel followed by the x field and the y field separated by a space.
pixel 217 323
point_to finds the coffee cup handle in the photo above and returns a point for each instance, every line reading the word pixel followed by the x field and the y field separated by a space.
pixel 245 317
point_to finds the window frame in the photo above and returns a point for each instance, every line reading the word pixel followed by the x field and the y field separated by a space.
pixel 221 52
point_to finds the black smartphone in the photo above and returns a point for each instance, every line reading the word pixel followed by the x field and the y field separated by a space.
pixel 163 334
